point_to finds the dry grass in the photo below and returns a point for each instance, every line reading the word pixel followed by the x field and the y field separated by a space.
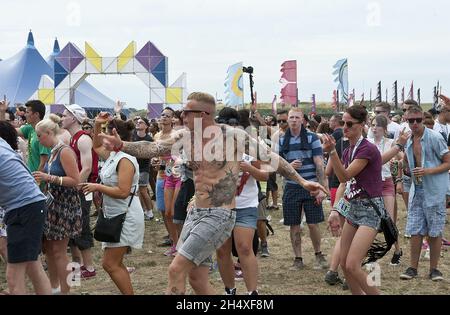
pixel 275 277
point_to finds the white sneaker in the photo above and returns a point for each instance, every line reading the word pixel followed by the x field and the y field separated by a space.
pixel 148 215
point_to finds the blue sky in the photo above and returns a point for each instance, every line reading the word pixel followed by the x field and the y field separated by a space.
pixel 383 40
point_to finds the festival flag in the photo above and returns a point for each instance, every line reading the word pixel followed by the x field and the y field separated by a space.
pixel 411 91
pixel 274 105
pixel 362 100
pixel 418 96
pixel 378 99
pixel 313 104
pixel 351 100
pixel 386 95
pixel 370 98
pixel 403 95
pixel 341 72
pixel 234 86
pixel 395 96
pixel 288 80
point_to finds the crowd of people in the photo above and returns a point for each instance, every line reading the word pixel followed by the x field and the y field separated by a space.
pixel 201 170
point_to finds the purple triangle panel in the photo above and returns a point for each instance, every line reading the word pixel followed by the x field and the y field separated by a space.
pixel 74 62
pixel 64 62
pixel 57 108
pixel 154 52
pixel 161 67
pixel 65 52
pixel 154 110
pixel 144 61
pixel 74 52
pixel 145 51
pixel 155 61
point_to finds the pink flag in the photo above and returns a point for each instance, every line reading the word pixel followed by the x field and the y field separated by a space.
pixel 313 105
pixel 411 91
pixel 274 105
pixel 289 82
pixel 334 103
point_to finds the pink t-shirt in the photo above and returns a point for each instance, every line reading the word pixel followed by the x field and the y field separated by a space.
pixel 370 177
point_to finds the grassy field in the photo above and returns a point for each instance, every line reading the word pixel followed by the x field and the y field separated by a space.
pixel 275 278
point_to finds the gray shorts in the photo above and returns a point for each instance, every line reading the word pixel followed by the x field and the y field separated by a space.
pixel 144 178
pixel 204 231
pixel 425 221
pixel 361 212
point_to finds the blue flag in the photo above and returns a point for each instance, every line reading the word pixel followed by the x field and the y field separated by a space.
pixel 341 70
pixel 234 86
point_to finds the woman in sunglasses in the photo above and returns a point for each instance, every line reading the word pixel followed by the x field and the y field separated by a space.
pixel 388 150
pixel 360 173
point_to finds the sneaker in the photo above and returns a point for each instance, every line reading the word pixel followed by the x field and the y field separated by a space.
pixel 332 278
pixel 436 275
pixel 86 274
pixel 297 265
pixel 165 243
pixel 345 286
pixel 230 291
pixel 238 275
pixel 148 215
pixel 395 261
pixel 321 262
pixel 172 251
pixel 264 250
pixel 409 274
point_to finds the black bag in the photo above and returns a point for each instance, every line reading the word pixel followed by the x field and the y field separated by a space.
pixel 378 249
pixel 110 229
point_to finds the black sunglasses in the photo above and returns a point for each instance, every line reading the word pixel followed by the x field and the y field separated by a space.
pixel 380 111
pixel 186 111
pixel 86 127
pixel 404 110
pixel 230 121
pixel 412 120
pixel 350 123
pixel 281 121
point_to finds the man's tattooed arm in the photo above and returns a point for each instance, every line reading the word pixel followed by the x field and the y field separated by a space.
pixel 146 149
pixel 318 161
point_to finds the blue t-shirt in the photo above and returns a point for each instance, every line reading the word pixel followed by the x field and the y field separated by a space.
pixel 308 168
pixel 17 186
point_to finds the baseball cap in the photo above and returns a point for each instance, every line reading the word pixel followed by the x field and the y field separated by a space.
pixel 77 111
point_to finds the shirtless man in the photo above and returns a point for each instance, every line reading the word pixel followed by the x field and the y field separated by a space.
pixel 211 217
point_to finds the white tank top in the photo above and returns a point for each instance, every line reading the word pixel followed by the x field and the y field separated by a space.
pixel 249 195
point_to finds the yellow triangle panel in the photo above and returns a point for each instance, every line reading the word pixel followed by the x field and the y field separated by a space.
pixel 174 96
pixel 46 96
pixel 93 57
pixel 126 56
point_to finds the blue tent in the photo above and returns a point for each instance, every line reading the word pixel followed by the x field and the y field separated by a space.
pixel 20 76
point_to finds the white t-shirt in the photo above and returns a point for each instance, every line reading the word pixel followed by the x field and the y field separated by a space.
pixel 383 146
pixel 443 129
pixel 249 194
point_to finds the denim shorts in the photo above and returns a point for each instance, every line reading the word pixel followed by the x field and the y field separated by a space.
pixel 425 221
pixel 204 231
pixel 2 225
pixel 160 195
pixel 361 212
pixel 406 183
pixel 144 179
pixel 247 217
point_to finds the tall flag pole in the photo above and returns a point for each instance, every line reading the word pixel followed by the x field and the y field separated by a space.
pixel 341 73
pixel 362 100
pixel 337 101
pixel 411 91
pixel 395 96
pixel 435 97
pixel 386 95
pixel 351 100
pixel 313 105
pixel 403 95
pixel 288 80
pixel 234 85
pixel 370 98
pixel 274 105
pixel 379 92
pixel 418 96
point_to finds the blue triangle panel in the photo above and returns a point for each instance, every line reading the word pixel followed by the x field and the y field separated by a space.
pixel 59 77
pixel 161 67
pixel 59 69
pixel 161 76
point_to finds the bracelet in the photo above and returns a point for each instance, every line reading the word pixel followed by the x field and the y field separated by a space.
pixel 400 146
pixel 332 152
pixel 119 148
pixel 60 181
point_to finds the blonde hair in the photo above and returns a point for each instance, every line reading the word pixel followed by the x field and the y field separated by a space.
pixel 50 124
pixel 202 98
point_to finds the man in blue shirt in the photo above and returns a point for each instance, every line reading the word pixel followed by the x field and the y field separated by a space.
pixel 303 150
pixel 24 205
pixel 429 162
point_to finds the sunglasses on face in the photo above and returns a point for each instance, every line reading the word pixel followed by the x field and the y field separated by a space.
pixel 404 110
pixel 187 111
pixel 87 127
pixel 281 121
pixel 379 111
pixel 375 125
pixel 350 123
pixel 231 121
pixel 166 116
pixel 412 120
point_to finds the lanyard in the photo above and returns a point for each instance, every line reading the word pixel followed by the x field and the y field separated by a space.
pixel 354 150
pixel 348 184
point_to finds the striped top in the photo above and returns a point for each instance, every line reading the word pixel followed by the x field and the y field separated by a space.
pixel 308 168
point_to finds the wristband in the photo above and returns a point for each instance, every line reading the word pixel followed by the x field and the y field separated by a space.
pixel 60 181
pixel 119 148
pixel 400 146
pixel 332 152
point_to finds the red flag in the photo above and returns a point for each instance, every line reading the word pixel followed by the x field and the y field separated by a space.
pixel 334 103
pixel 289 82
